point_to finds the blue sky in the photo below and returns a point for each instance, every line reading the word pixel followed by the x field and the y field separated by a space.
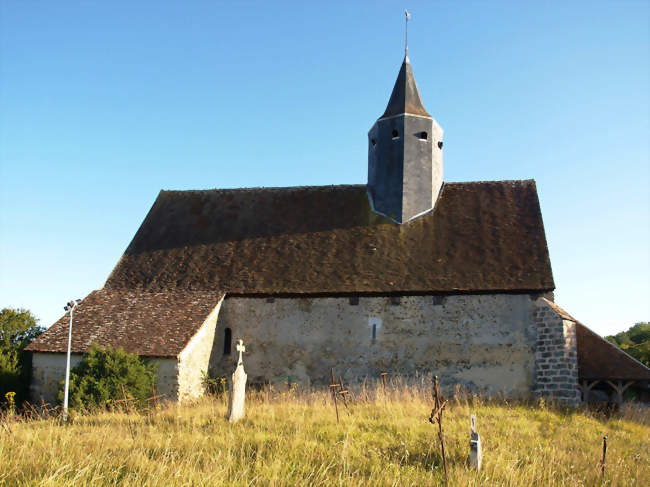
pixel 102 104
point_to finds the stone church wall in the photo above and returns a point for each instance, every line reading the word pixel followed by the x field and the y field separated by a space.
pixel 194 360
pixel 482 342
pixel 556 355
pixel 48 369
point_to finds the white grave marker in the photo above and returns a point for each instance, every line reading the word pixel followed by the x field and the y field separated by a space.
pixel 237 388
pixel 474 446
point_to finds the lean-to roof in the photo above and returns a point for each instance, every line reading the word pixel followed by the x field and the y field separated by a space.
pixel 149 324
pixel 600 359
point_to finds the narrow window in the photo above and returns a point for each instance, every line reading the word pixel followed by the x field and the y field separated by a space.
pixel 227 340
pixel 440 145
pixel 422 136
pixel 395 134
pixel 395 300
pixel 373 142
pixel 374 323
pixel 354 300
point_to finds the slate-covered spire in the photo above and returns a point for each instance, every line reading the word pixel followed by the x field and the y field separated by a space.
pixel 404 154
pixel 405 97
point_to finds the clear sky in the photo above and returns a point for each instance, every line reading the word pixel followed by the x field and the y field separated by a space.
pixel 102 104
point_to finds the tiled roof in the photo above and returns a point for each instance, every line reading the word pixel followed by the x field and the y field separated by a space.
pixel 481 237
pixel 149 324
pixel 600 359
pixel 560 311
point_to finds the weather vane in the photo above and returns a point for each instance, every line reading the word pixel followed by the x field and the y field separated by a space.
pixel 406 39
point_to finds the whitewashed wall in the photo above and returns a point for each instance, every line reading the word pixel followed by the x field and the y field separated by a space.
pixel 48 369
pixel 482 342
pixel 194 360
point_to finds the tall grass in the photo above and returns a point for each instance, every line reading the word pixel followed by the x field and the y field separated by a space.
pixel 291 437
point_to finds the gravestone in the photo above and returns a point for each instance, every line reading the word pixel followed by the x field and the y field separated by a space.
pixel 474 446
pixel 237 388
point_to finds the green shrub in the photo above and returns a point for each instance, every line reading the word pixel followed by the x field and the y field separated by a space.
pixel 105 375
pixel 214 386
pixel 18 328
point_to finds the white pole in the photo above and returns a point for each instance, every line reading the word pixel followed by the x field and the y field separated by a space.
pixel 67 368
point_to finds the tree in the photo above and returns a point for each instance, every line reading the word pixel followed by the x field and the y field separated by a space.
pixel 635 341
pixel 18 328
pixel 101 374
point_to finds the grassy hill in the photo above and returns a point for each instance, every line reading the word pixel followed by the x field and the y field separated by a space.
pixel 288 438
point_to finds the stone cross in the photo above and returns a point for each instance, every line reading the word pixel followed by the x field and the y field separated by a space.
pixel 474 446
pixel 237 388
pixel 241 349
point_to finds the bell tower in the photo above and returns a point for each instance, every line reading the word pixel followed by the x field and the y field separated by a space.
pixel 404 154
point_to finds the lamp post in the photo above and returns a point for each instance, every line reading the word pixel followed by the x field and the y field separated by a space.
pixel 68 307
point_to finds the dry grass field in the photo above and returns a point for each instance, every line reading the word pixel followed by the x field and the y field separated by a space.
pixel 292 438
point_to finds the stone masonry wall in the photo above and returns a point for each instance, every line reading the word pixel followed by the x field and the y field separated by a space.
pixel 485 343
pixel 193 361
pixel 48 369
pixel 556 356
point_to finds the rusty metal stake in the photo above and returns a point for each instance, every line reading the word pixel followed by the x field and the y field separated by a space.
pixel 436 416
pixel 155 397
pixel 333 387
pixel 44 408
pixel 343 391
pixel 602 462
pixel 125 400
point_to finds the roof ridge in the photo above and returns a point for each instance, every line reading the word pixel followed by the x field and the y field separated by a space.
pixel 265 188
pixel 492 181
pixel 326 186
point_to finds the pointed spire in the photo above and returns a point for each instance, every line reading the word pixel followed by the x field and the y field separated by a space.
pixel 405 97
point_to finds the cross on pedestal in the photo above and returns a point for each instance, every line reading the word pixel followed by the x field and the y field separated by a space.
pixel 241 349
pixel 237 388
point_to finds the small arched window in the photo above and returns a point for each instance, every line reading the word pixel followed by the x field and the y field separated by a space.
pixel 395 134
pixel 227 341
pixel 423 136
pixel 373 142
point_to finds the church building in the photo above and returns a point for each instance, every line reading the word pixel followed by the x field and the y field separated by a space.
pixel 405 274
